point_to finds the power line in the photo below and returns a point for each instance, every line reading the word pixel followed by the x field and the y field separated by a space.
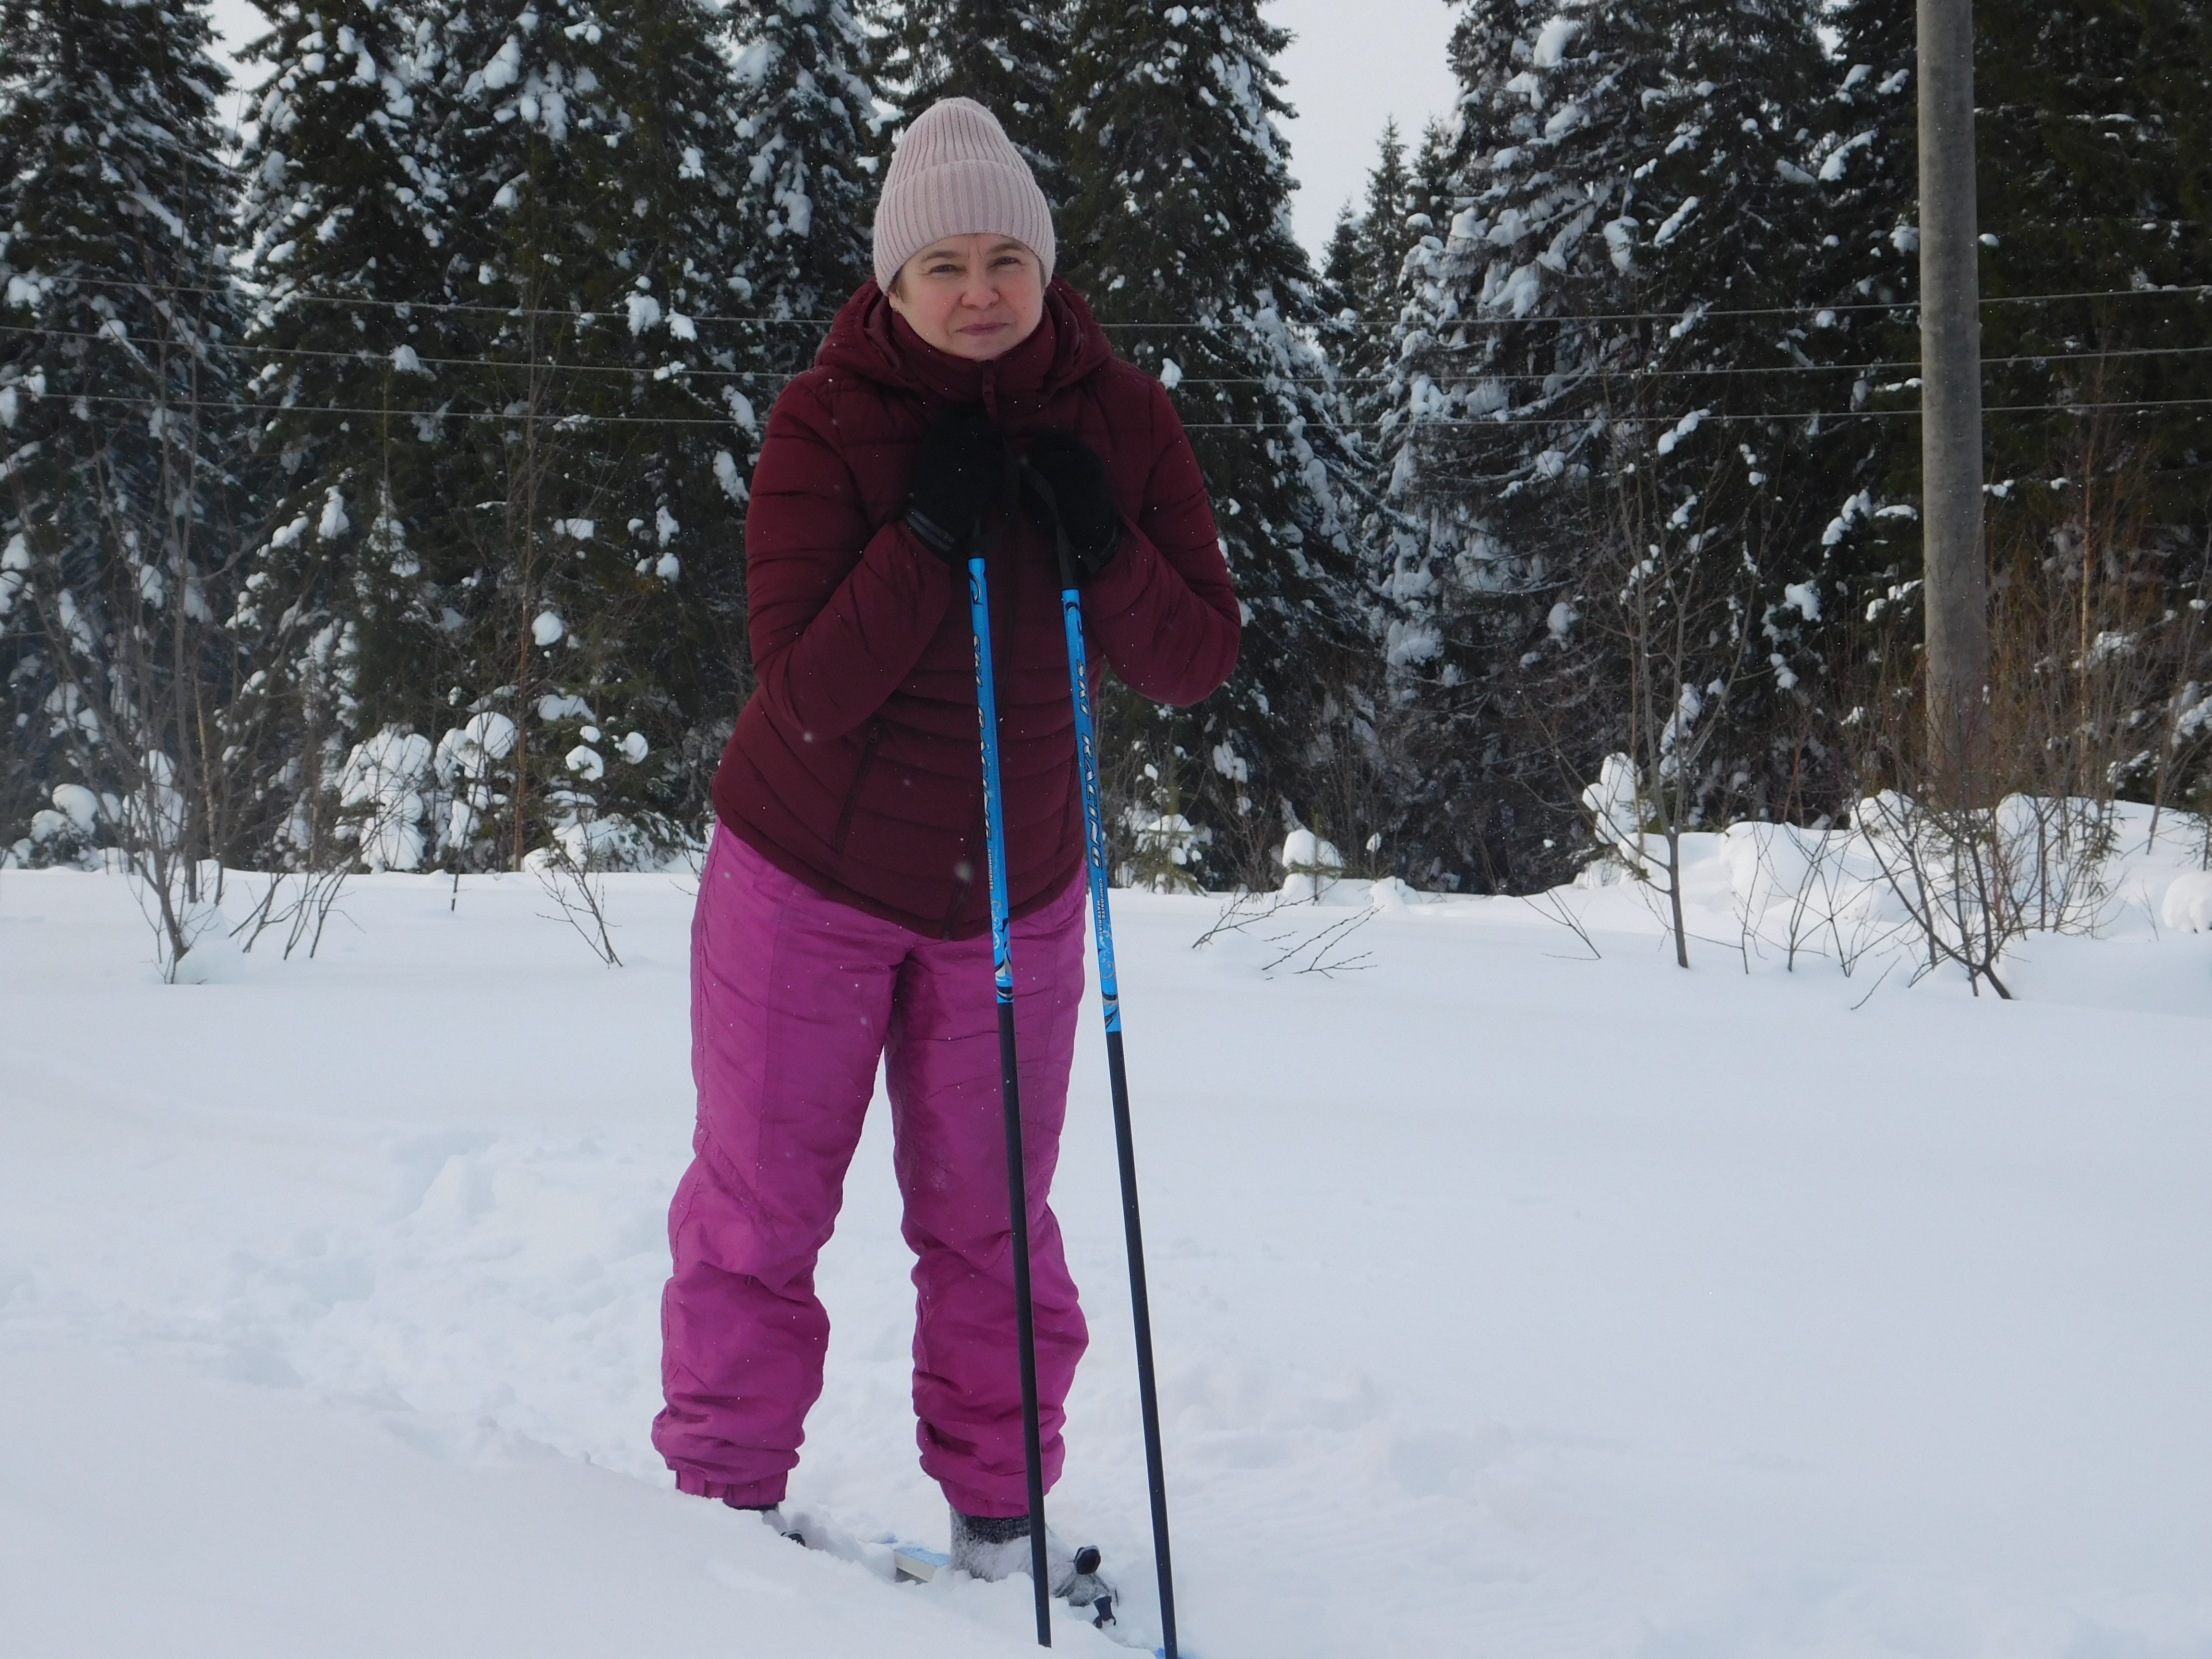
pixel 1796 414
pixel 435 307
pixel 230 406
pixel 2012 360
pixel 235 406
pixel 677 371
pixel 443 413
pixel 367 358
pixel 1809 309
pixel 1700 312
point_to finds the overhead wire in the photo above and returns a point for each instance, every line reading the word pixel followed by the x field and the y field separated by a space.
pixel 1815 414
pixel 367 358
pixel 679 371
pixel 1811 308
pixel 673 371
pixel 237 406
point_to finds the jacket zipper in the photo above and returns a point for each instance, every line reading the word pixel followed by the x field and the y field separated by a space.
pixel 859 778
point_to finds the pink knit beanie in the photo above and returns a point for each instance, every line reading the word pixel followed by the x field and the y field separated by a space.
pixel 956 173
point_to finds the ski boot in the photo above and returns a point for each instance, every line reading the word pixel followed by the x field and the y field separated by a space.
pixel 772 1514
pixel 992 1547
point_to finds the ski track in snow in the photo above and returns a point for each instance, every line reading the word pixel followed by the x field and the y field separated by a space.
pixel 1507 1303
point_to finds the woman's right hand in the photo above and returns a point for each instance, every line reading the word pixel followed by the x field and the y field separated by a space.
pixel 959 472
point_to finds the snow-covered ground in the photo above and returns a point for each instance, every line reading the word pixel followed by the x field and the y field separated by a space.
pixel 1511 1300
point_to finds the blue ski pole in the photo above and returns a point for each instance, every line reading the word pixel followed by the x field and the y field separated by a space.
pixel 1002 961
pixel 1109 995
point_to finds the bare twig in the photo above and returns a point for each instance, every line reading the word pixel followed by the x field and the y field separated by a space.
pixel 1549 905
pixel 1876 986
pixel 581 897
pixel 1329 939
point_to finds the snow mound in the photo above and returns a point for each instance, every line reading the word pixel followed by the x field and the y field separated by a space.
pixel 1632 1311
pixel 2188 903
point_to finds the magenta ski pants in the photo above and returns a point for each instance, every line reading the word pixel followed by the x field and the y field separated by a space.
pixel 794 999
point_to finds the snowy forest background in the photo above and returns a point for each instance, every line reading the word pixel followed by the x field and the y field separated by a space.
pixel 374 475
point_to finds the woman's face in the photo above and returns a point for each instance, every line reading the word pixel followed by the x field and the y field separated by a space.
pixel 976 297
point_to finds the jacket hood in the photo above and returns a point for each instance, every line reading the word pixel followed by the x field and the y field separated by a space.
pixel 870 339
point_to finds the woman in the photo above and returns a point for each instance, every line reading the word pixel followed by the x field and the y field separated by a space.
pixel 844 913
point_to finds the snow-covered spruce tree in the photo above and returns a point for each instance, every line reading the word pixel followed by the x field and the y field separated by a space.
pixel 1386 228
pixel 1007 55
pixel 1180 235
pixel 1623 342
pixel 2094 147
pixel 2094 150
pixel 1403 199
pixel 1363 271
pixel 1869 259
pixel 342 218
pixel 115 369
pixel 805 139
pixel 1421 195
pixel 597 424
pixel 1872 162
pixel 1367 271
pixel 2095 170
pixel 1340 262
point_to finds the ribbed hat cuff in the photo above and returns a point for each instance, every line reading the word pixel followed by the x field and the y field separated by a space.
pixel 960 199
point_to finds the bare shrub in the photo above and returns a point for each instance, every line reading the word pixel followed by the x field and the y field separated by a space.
pixel 579 893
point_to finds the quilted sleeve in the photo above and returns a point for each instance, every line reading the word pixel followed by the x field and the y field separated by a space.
pixel 1164 612
pixel 840 610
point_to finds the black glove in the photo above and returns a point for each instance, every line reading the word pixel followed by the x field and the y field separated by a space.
pixel 959 473
pixel 1082 498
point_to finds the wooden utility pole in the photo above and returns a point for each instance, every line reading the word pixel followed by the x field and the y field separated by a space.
pixel 1957 591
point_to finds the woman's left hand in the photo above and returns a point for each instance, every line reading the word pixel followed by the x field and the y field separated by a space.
pixel 1082 497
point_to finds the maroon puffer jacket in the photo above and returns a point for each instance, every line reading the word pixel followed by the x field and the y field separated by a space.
pixel 856 766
